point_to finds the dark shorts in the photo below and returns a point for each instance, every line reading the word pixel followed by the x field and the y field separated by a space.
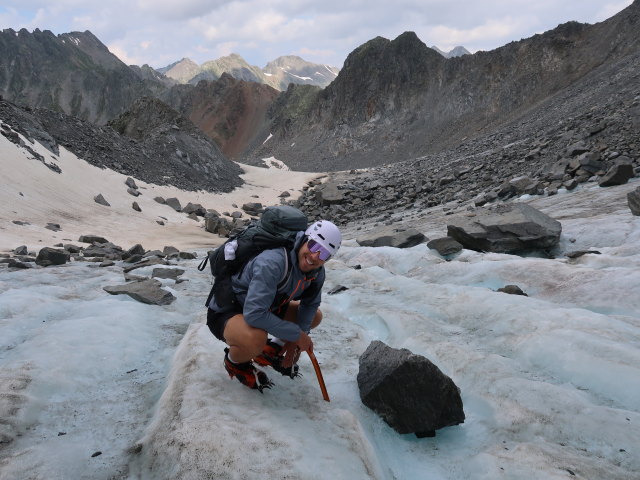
pixel 217 321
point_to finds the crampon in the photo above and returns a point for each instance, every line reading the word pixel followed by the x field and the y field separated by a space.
pixel 247 374
pixel 270 357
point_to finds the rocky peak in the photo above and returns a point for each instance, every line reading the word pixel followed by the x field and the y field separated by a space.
pixel 289 69
pixel 278 73
pixel 72 72
pixel 146 115
pixel 399 99
pixel 228 110
pixel 235 66
pixel 457 52
pixel 377 75
pixel 181 71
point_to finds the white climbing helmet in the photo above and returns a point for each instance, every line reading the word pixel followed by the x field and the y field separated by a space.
pixel 324 237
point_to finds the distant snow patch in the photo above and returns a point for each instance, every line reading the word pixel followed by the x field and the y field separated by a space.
pixel 268 138
pixel 332 72
pixel 301 78
pixel 273 162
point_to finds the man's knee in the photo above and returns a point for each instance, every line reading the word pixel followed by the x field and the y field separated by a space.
pixel 238 333
pixel 317 318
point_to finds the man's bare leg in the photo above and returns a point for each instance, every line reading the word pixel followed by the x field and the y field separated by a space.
pixel 245 342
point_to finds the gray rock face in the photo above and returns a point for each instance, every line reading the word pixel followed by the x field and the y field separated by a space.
pixel 409 392
pixel 507 228
pixel 633 200
pixel 52 256
pixel 146 291
pixel 392 237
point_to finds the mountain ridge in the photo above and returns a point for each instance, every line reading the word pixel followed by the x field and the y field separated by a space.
pixel 71 72
pixel 278 73
pixel 401 99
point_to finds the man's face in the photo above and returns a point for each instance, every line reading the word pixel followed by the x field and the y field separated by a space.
pixel 308 260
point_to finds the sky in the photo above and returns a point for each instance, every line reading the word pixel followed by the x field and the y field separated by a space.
pixel 94 386
pixel 160 32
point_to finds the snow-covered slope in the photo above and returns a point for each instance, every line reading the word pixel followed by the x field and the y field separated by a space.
pixel 550 382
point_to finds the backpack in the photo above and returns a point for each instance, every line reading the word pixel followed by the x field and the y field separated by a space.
pixel 277 228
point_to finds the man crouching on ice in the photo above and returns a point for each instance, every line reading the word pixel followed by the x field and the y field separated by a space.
pixel 287 312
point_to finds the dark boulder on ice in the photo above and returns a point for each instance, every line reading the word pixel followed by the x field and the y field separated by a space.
pixel 617 175
pixel 196 208
pixel 52 256
pixel 92 239
pixel 392 237
pixel 146 262
pixel 170 273
pixel 147 291
pixel 329 194
pixel 580 253
pixel 253 208
pixel 506 228
pixel 512 290
pixel 131 183
pixel 445 246
pixel 633 200
pixel 408 391
pixel 101 200
pixel 173 203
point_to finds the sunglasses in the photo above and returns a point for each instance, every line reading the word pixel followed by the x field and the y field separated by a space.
pixel 316 247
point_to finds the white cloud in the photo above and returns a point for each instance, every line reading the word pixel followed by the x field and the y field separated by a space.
pixel 611 8
pixel 492 31
pixel 123 55
pixel 159 32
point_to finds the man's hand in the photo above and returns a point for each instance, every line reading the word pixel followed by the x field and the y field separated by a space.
pixel 291 350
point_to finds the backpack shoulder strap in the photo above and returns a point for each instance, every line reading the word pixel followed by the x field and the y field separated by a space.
pixel 287 269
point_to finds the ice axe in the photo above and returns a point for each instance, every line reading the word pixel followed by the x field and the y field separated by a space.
pixel 316 367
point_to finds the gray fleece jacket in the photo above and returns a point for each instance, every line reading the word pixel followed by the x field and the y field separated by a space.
pixel 256 290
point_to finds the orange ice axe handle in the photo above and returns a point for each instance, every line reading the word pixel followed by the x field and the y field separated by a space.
pixel 316 367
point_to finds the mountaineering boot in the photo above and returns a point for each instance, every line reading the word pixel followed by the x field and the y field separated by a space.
pixel 246 373
pixel 270 357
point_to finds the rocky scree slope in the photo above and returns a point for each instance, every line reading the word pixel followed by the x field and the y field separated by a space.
pixel 73 72
pixel 164 148
pixel 396 100
pixel 231 112
pixel 574 136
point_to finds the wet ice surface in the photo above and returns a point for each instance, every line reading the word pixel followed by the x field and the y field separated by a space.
pixel 550 382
